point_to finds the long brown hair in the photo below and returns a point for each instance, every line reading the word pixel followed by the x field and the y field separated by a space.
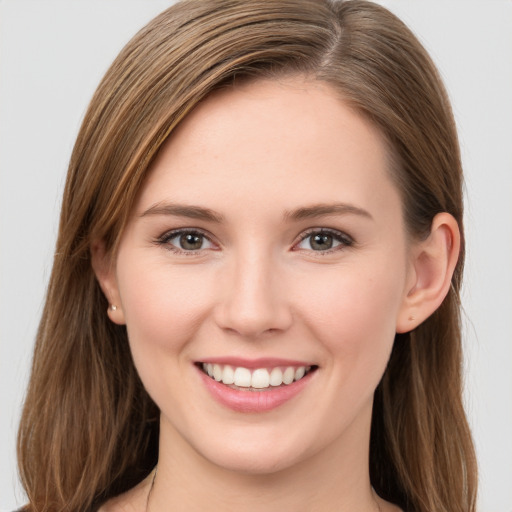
pixel 89 430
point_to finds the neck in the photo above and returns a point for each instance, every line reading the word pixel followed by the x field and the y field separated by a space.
pixel 336 480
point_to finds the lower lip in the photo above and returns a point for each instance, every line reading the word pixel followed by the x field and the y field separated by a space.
pixel 253 401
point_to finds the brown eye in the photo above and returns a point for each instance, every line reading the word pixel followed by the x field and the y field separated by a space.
pixel 185 241
pixel 321 242
pixel 191 242
pixel 324 240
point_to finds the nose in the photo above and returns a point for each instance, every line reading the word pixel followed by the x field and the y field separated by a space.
pixel 254 301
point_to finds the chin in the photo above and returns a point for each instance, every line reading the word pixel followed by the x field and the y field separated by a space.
pixel 254 457
pixel 255 464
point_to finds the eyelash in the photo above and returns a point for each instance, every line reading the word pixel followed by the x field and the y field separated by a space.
pixel 168 236
pixel 344 240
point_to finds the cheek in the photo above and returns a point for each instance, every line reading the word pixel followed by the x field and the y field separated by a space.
pixel 354 311
pixel 163 305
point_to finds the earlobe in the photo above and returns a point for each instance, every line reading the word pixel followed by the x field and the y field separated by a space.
pixel 105 275
pixel 434 261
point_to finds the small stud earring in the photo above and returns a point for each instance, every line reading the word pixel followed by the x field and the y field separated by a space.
pixel 113 307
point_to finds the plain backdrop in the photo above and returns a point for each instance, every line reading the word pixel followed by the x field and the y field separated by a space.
pixel 52 55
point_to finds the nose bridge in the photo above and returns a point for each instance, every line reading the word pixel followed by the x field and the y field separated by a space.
pixel 253 304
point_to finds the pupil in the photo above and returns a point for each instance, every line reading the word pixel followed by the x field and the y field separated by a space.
pixel 191 242
pixel 321 242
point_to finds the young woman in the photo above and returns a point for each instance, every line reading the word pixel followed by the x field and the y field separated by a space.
pixel 254 300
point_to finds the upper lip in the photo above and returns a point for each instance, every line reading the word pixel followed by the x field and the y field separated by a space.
pixel 261 362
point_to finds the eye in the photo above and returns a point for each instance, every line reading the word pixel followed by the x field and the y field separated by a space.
pixel 186 241
pixel 324 240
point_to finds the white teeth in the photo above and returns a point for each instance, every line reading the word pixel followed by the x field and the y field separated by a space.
pixel 228 375
pixel 289 375
pixel 260 378
pixel 242 377
pixel 217 372
pixel 276 377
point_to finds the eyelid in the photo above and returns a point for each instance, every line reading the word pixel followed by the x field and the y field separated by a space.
pixel 342 237
pixel 163 240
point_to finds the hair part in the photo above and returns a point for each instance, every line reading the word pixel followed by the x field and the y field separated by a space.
pixel 421 453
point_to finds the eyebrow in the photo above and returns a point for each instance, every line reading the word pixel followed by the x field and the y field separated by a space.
pixel 324 209
pixel 305 212
pixel 182 210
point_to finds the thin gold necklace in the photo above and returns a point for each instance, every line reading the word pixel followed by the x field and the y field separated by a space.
pixel 151 488
pixel 374 494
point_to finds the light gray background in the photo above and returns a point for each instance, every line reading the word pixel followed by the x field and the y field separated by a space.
pixel 52 55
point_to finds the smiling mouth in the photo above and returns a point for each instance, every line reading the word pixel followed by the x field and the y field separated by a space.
pixel 259 379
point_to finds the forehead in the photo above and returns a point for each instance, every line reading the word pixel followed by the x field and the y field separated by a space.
pixel 282 141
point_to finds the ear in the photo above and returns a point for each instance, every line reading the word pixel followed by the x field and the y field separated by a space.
pixel 105 274
pixel 433 262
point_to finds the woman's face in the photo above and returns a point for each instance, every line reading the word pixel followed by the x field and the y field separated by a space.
pixel 268 241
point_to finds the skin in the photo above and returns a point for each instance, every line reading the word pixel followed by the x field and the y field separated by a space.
pixel 257 287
